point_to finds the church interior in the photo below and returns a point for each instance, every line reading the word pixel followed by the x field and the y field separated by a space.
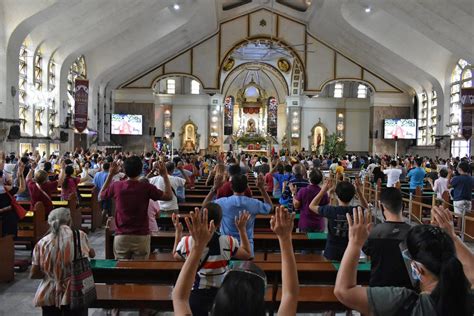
pixel 260 78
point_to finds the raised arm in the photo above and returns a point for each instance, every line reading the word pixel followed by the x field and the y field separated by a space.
pixel 261 187
pixel 168 192
pixel 245 251
pixel 21 178
pixel 62 174
pixel 314 205
pixel 359 188
pixel 218 182
pixel 201 234
pixel 443 218
pixel 346 289
pixel 178 234
pixel 282 225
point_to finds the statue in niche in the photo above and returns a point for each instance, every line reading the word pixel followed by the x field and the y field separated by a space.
pixel 251 126
pixel 317 138
pixel 189 137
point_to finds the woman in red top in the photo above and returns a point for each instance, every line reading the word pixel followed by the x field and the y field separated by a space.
pixel 67 182
pixel 41 189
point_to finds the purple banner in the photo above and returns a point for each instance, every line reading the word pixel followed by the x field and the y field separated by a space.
pixel 81 99
pixel 467 105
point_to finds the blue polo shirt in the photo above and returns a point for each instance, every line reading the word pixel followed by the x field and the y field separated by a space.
pixel 416 175
pixel 462 187
pixel 232 205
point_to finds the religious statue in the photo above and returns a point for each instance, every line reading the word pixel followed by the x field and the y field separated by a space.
pixel 189 137
pixel 251 126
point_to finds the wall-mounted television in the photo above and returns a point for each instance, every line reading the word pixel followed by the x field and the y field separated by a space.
pixel 127 124
pixel 402 128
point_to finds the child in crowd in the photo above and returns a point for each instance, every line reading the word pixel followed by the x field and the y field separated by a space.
pixel 337 224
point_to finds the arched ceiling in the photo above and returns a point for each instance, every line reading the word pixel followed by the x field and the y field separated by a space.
pixel 411 43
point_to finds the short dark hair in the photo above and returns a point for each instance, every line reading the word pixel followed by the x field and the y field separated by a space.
pixel 419 161
pixel 106 166
pixel 464 166
pixel 443 173
pixel 391 198
pixel 288 168
pixel 234 170
pixel 133 166
pixel 315 176
pixel 239 183
pixel 214 212
pixel 345 191
pixel 264 159
pixel 47 166
pixel 393 163
pixel 170 167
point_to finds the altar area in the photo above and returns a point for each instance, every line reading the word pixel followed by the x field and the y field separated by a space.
pixel 254 120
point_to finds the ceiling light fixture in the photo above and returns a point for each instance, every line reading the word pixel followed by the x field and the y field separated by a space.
pixel 176 6
pixel 368 9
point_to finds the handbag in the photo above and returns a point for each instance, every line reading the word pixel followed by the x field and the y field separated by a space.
pixel 83 292
pixel 20 211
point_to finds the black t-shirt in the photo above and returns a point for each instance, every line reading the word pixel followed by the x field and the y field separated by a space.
pixel 388 267
pixel 338 230
pixel 5 199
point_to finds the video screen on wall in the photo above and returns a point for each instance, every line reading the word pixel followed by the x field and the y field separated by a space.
pixel 403 128
pixel 127 124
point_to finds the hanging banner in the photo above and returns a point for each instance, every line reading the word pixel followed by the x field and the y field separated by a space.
pixel 81 98
pixel 467 106
pixel 272 117
pixel 228 115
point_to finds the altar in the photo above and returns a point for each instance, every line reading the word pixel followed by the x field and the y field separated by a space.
pixel 252 152
pixel 255 119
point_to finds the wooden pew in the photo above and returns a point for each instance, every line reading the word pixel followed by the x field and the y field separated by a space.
pixel 8 258
pixel 141 296
pixel 33 227
pixel 166 272
pixel 263 242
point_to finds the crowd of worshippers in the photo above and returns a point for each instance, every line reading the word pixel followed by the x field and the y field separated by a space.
pixel 415 270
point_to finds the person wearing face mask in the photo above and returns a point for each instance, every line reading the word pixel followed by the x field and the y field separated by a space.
pixel 441 265
pixel 388 268
pixel 8 216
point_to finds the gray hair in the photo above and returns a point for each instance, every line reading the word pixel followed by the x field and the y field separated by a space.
pixel 298 169
pixel 58 217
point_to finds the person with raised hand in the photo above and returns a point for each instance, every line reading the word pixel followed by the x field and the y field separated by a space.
pixel 201 232
pixel 282 225
pixel 435 269
pixel 131 196
pixel 443 218
pixel 214 259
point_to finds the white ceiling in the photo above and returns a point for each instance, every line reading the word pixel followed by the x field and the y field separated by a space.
pixel 412 43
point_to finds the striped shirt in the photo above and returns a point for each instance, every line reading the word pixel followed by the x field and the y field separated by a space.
pixel 220 250
pixel 54 255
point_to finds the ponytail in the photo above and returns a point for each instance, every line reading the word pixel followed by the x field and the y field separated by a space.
pixel 55 226
pixel 451 293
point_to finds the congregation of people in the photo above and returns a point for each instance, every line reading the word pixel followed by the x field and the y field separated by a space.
pixel 416 269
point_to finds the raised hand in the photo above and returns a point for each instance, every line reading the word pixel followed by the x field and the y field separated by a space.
pixel 218 181
pixel 114 168
pixel 176 223
pixel 260 181
pixel 241 220
pixel 282 222
pixel 443 218
pixel 328 184
pixel 359 226
pixel 199 229
pixel 162 169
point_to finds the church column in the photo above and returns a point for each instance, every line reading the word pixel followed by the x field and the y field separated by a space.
pixel 293 128
pixel 216 124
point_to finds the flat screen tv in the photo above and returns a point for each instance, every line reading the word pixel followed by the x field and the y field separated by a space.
pixel 127 124
pixel 402 128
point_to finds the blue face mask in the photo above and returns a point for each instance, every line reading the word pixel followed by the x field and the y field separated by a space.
pixel 415 273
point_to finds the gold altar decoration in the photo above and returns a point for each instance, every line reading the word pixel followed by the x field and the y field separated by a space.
pixel 229 64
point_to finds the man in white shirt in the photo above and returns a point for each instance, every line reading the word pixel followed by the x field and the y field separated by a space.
pixel 176 183
pixel 393 174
